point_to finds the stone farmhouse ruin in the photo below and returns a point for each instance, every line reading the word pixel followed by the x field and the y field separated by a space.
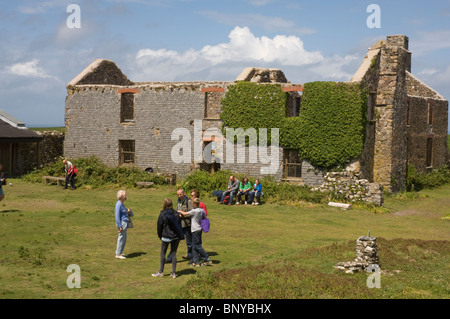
pixel 131 123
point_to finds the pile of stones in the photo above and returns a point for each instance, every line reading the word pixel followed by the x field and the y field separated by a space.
pixel 366 255
pixel 349 185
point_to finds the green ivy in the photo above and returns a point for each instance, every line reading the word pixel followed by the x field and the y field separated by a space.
pixel 331 126
pixel 252 105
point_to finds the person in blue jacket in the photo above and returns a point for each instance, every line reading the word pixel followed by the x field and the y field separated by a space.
pixel 256 192
pixel 170 232
pixel 122 219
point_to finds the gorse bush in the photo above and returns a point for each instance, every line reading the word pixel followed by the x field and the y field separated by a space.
pixel 93 173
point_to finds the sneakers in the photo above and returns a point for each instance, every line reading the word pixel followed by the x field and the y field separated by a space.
pixel 245 203
pixel 194 265
pixel 237 203
pixel 158 274
pixel 206 263
pixel 256 203
pixel 121 257
pixel 173 275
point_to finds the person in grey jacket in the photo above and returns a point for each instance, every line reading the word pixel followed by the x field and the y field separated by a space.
pixel 233 187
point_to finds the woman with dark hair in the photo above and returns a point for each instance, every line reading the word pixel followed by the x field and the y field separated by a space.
pixel 170 232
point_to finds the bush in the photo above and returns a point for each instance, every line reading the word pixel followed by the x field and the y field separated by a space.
pixel 206 183
pixel 417 181
pixel 93 173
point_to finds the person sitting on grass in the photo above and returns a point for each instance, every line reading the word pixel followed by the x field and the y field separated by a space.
pixel 245 188
pixel 196 216
pixel 256 192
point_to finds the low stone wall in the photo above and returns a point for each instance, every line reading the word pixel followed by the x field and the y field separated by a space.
pixel 351 187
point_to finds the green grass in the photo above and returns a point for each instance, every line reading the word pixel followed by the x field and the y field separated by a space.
pixel 279 251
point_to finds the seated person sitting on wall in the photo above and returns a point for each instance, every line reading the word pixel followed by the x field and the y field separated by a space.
pixel 256 191
pixel 245 188
pixel 233 187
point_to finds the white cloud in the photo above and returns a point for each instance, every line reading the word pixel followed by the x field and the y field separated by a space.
pixel 28 69
pixel 243 47
pixel 429 41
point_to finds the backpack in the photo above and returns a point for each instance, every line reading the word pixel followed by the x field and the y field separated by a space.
pixel 205 223
pixel 75 170
pixel 226 200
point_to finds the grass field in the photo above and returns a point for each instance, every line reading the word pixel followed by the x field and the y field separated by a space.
pixel 267 251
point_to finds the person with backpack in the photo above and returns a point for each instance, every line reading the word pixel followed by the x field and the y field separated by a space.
pixel 71 173
pixel 170 232
pixel 196 215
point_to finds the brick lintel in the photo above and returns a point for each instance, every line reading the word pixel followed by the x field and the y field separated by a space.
pixel 292 89
pixel 127 90
pixel 213 89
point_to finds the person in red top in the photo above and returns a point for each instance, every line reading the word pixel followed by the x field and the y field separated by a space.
pixel 196 194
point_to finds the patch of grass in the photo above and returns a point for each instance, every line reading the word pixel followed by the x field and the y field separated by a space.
pixel 411 268
pixel 288 249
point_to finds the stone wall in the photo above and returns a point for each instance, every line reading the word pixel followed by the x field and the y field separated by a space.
pixel 349 185
pixel 366 255
pixel 93 125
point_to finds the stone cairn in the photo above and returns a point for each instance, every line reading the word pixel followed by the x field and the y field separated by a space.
pixel 366 254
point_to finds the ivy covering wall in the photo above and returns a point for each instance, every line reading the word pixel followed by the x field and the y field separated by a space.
pixel 329 132
pixel 331 126
pixel 251 105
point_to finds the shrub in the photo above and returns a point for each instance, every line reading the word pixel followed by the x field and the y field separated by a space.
pixel 273 192
pixel 417 181
pixel 93 173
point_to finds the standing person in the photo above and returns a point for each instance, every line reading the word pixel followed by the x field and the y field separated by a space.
pixel 170 232
pixel 122 219
pixel 184 204
pixel 70 174
pixel 2 180
pixel 233 186
pixel 244 189
pixel 196 215
pixel 196 194
pixel 257 191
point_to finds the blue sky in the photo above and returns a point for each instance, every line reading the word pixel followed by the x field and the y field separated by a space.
pixel 189 40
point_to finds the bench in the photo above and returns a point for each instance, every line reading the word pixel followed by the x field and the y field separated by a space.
pixel 59 180
pixel 144 184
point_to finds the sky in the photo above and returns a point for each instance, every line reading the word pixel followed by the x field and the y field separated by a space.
pixel 45 44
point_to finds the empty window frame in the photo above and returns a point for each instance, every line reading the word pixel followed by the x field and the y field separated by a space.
pixel 126 152
pixel 127 108
pixel 429 152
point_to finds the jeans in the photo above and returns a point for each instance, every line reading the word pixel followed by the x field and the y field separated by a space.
pixel 71 179
pixel 172 254
pixel 122 239
pixel 251 196
pixel 197 248
pixel 239 195
pixel 225 193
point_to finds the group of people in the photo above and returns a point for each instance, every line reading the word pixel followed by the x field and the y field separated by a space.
pixel 252 193
pixel 184 223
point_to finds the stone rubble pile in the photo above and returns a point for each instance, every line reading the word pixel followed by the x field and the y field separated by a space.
pixel 366 254
pixel 350 186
